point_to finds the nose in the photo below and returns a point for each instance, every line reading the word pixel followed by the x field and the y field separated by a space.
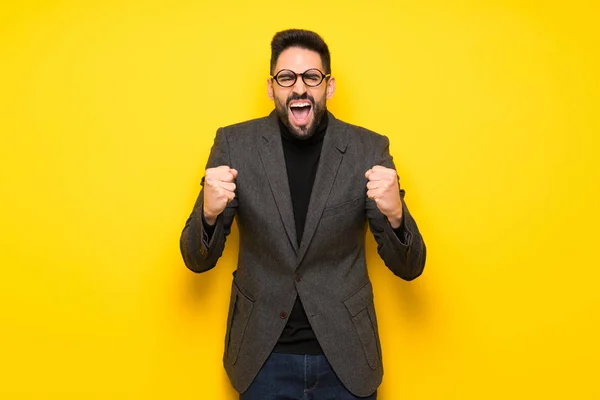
pixel 299 87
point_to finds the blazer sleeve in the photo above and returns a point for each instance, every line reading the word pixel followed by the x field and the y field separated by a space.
pixel 201 251
pixel 404 256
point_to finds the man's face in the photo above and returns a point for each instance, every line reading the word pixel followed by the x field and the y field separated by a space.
pixel 300 107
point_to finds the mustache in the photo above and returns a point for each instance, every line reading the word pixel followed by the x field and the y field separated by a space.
pixel 296 96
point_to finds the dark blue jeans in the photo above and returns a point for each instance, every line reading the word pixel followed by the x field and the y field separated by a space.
pixel 298 377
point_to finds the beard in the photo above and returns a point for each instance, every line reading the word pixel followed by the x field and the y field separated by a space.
pixel 301 132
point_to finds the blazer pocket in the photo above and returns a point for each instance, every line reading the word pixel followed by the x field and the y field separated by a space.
pixel 340 208
pixel 362 310
pixel 240 308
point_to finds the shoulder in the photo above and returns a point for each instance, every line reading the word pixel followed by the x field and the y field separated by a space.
pixel 366 144
pixel 361 134
pixel 244 133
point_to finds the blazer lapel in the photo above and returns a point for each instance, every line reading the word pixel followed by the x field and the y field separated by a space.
pixel 271 154
pixel 334 147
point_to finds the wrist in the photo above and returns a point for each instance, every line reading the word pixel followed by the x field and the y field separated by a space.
pixel 209 218
pixel 395 219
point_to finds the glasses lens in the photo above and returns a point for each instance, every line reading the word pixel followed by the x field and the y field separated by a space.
pixel 312 77
pixel 286 78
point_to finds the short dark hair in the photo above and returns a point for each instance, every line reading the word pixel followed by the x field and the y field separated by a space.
pixel 303 39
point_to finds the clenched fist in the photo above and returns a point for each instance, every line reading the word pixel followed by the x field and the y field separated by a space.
pixel 219 190
pixel 383 189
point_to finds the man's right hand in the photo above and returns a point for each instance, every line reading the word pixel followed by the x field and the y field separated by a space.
pixel 219 190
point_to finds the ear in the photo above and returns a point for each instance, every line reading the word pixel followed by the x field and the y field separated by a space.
pixel 330 87
pixel 270 89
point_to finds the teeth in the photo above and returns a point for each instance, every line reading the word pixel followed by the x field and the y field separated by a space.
pixel 300 105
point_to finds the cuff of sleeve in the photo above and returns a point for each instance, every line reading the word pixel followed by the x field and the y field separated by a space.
pixel 207 231
pixel 401 232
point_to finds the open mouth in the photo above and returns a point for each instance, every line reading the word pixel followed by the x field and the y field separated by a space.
pixel 300 111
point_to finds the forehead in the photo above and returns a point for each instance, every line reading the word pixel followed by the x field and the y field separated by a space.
pixel 298 60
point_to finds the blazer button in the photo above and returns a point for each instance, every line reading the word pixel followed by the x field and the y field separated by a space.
pixel 203 251
pixel 283 315
pixel 298 278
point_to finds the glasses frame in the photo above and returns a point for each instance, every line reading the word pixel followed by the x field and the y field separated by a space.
pixel 323 77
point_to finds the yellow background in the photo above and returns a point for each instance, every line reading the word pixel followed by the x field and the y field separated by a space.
pixel 108 110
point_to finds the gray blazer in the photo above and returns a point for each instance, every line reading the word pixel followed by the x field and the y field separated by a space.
pixel 327 270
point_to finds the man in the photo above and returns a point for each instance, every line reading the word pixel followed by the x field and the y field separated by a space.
pixel 302 185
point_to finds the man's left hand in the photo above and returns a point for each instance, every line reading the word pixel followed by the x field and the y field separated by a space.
pixel 384 190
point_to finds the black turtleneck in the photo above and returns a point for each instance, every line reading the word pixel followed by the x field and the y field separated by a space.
pixel 301 162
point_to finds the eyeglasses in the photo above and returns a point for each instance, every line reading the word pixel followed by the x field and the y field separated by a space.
pixel 287 78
